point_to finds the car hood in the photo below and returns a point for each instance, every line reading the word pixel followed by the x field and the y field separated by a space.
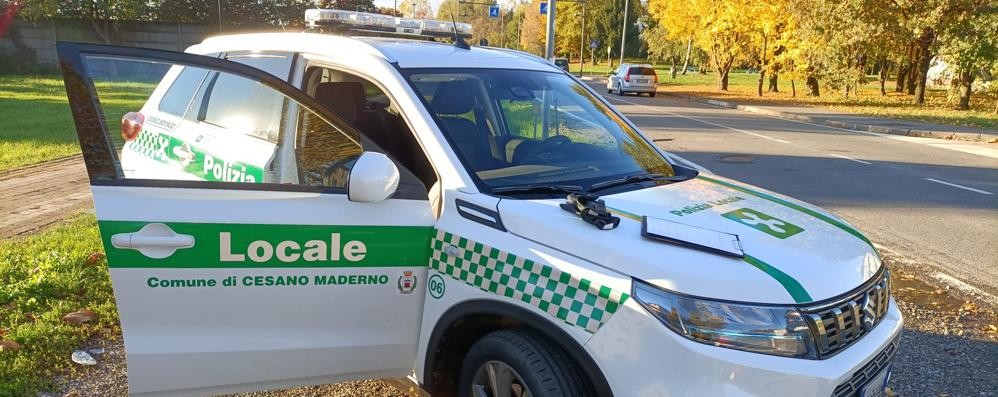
pixel 809 255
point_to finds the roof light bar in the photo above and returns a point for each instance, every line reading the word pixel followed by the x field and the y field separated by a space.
pixel 363 21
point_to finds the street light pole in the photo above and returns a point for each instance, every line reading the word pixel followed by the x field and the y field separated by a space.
pixel 549 48
pixel 219 16
pixel 623 35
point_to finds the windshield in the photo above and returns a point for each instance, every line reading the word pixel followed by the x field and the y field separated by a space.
pixel 515 128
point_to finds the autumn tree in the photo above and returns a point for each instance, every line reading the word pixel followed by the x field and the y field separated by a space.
pixel 718 27
pixel 533 29
pixel 349 5
pixel 969 44
pixel 415 9
pixel 660 48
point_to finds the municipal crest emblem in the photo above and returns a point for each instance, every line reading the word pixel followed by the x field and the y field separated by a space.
pixel 407 282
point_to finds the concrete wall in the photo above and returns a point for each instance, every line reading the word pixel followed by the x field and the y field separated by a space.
pixel 42 35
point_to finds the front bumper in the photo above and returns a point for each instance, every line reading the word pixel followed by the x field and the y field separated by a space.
pixel 641 357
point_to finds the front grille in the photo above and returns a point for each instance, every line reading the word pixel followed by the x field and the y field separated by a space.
pixel 871 369
pixel 841 323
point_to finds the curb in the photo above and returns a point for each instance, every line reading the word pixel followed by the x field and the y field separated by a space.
pixel 960 136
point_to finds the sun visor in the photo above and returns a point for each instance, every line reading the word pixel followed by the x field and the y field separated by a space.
pixel 691 236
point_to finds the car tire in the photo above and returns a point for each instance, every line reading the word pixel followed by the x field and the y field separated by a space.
pixel 619 91
pixel 651 94
pixel 532 363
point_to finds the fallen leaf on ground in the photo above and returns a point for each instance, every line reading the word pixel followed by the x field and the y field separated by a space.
pixel 80 316
pixel 72 393
pixel 9 345
pixel 94 258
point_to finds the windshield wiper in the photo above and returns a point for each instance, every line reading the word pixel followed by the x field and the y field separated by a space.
pixel 537 189
pixel 627 180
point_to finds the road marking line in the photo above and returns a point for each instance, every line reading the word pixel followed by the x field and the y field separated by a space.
pixel 699 120
pixel 851 159
pixel 959 186
pixel 969 148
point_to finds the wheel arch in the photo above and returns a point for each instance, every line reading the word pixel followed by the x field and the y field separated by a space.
pixel 480 316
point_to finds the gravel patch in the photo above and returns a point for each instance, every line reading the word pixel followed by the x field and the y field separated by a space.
pixel 949 346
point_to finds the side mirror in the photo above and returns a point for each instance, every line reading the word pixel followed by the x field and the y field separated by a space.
pixel 373 178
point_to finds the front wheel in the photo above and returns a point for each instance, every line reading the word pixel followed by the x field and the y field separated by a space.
pixel 518 363
pixel 651 94
pixel 620 91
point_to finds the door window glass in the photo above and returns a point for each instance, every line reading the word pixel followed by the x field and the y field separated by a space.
pixel 301 147
pixel 177 99
pixel 243 106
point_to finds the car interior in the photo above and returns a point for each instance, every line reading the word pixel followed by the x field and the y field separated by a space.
pixel 365 106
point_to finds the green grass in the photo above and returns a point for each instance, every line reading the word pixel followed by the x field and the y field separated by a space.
pixel 37 125
pixel 938 107
pixel 42 278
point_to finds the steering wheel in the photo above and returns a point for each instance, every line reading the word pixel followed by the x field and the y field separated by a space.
pixel 547 145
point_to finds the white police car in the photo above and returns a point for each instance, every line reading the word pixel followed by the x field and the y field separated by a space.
pixel 302 208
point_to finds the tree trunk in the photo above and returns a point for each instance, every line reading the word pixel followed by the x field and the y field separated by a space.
pixel 885 72
pixel 912 76
pixel 722 79
pixel 689 50
pixel 674 59
pixel 966 84
pixel 762 79
pixel 773 82
pixel 793 89
pixel 902 75
pixel 925 58
pixel 812 86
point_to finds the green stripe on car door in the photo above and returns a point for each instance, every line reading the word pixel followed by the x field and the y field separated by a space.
pixel 232 245
pixel 832 221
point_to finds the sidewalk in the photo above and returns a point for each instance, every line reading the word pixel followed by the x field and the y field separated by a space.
pixel 856 122
pixel 39 195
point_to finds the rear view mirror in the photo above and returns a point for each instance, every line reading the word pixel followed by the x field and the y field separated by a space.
pixel 373 178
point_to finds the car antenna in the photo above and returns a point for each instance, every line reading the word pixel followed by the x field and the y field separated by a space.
pixel 458 41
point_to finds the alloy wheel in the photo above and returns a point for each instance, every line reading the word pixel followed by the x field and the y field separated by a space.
pixel 498 379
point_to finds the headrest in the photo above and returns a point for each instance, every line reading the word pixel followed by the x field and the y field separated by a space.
pixel 345 98
pixel 455 97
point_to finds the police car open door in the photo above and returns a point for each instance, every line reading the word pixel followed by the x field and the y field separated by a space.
pixel 254 239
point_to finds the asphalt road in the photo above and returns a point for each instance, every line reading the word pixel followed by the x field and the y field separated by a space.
pixel 932 201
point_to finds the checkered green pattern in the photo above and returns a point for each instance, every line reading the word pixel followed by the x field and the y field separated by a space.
pixel 149 144
pixel 576 301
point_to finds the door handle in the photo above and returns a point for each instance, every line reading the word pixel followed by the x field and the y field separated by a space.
pixel 154 240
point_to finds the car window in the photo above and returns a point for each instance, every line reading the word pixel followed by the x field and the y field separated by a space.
pixel 177 99
pixel 645 71
pixel 316 153
pixel 243 106
pixel 235 103
pixel 546 129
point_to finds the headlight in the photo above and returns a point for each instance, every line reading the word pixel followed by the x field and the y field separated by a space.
pixel 777 330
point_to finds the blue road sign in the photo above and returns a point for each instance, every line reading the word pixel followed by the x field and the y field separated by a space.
pixel 594 44
pixel 494 11
pixel 544 8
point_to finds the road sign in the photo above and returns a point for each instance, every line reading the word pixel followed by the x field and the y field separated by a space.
pixel 544 8
pixel 494 11
pixel 594 44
